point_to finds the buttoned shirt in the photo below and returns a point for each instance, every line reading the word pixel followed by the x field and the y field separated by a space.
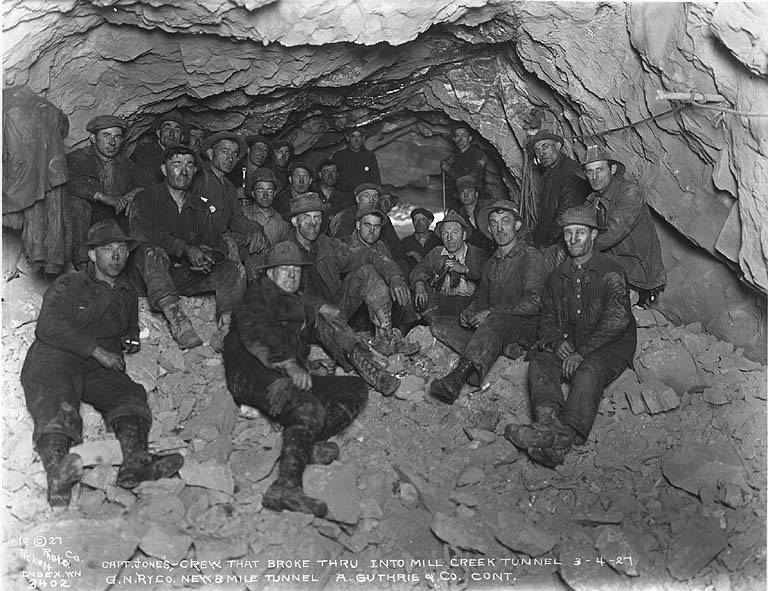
pixel 275 228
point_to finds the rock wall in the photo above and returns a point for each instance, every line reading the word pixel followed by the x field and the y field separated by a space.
pixel 308 70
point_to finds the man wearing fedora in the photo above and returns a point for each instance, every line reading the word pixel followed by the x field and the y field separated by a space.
pixel 587 337
pixel 561 186
pixel 88 320
pixel 357 164
pixel 169 129
pixel 445 280
pixel 266 364
pixel 182 251
pixel 627 230
pixel 367 195
pixel 414 247
pixel 468 187
pixel 469 160
pixel 282 152
pixel 299 181
pixel 504 310
pixel 102 181
pixel 351 276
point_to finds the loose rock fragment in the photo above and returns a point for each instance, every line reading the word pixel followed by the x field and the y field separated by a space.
pixel 472 475
pixel 432 500
pixel 335 484
pixel 517 533
pixel 166 542
pixel 103 451
pixel 409 496
pixel 696 464
pixel 614 546
pixel 461 533
pixel 693 548
pixel 208 475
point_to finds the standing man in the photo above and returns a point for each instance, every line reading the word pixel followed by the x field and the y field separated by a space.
pixel 102 181
pixel 415 247
pixel 350 277
pixel 587 335
pixel 182 250
pixel 282 152
pixel 628 232
pixel 357 165
pixel 468 160
pixel 505 307
pixel 87 321
pixel 299 179
pixel 169 129
pixel 561 187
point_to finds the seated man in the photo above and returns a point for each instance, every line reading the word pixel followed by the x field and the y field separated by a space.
pixel 415 247
pixel 627 230
pixel 349 276
pixel 469 187
pixel 445 280
pixel 259 148
pixel 299 180
pixel 102 181
pixel 265 358
pixel 182 252
pixel 469 160
pixel 587 335
pixel 505 308
pixel 87 321
pixel 367 234
pixel 367 195
pixel 169 129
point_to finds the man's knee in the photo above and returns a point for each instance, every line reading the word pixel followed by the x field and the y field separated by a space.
pixel 305 410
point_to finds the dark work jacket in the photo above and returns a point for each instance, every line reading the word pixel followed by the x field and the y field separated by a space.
pixel 560 189
pixel 629 233
pixel 280 173
pixel 511 283
pixel 471 161
pixel 589 307
pixel 149 157
pixel 343 224
pixel 156 220
pixel 338 199
pixel 476 236
pixel 356 168
pixel 273 325
pixel 410 243
pixel 220 195
pixel 332 259
pixel 80 313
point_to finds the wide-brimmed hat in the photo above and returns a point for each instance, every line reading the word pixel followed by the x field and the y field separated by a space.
pixel 305 203
pixel 585 215
pixel 283 253
pixel 263 175
pixel 257 139
pixel 467 181
pixel 423 211
pixel 363 186
pixel 298 164
pixel 452 216
pixel 545 134
pixel 485 212
pixel 107 231
pixel 598 153
pixel 364 211
pixel 105 122
pixel 277 144
pixel 212 140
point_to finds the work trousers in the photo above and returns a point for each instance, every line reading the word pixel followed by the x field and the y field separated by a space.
pixel 483 346
pixel 55 382
pixel 364 285
pixel 596 371
pixel 166 280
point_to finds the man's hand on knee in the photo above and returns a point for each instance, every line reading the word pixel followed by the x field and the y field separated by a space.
pixel 399 291
pixel 566 348
pixel 278 395
pixel 571 364
pixel 300 377
pixel 108 359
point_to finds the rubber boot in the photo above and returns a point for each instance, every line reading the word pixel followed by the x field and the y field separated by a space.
pixel 287 493
pixel 138 464
pixel 62 468
pixel 546 432
pixel 181 328
pixel 448 387
pixel 379 379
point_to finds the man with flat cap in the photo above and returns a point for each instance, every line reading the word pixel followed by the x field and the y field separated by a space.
pixel 88 320
pixel 356 164
pixel 468 187
pixel 627 230
pixel 259 149
pixel 587 337
pixel 561 186
pixel 445 280
pixel 266 364
pixel 282 152
pixel 326 185
pixel 102 181
pixel 169 129
pixel 414 247
pixel 223 150
pixel 351 276
pixel 260 207
pixel 299 181
pixel 468 160
pixel 504 311
pixel 182 251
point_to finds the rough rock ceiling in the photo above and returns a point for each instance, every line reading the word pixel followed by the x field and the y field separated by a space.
pixel 305 70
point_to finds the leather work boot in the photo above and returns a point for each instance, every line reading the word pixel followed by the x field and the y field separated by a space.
pixel 286 491
pixel 374 375
pixel 547 456
pixel 138 464
pixel 448 387
pixel 181 328
pixel 62 468
pixel 324 452
pixel 546 432
pixel 389 341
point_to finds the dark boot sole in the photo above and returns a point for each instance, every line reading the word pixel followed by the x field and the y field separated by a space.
pixel 283 498
pixel 442 393
pixel 159 467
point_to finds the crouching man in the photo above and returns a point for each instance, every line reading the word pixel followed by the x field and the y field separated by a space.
pixel 265 358
pixel 587 334
pixel 88 319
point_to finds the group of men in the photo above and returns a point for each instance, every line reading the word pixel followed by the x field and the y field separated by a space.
pixel 293 253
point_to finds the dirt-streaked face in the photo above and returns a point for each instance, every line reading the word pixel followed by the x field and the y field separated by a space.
pixel 108 142
pixel 579 239
pixel 287 277
pixel 453 235
pixel 599 174
pixel 369 228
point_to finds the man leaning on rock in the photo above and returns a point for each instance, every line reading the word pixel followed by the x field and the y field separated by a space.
pixel 88 320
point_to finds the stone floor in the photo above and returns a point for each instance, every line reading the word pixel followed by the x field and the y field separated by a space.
pixel 668 493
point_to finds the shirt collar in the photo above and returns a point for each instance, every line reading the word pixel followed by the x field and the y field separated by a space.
pixel 459 255
pixel 520 245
